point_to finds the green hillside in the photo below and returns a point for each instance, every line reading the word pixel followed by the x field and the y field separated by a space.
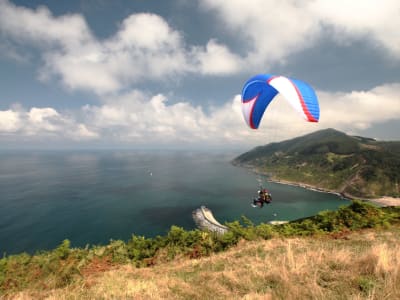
pixel 329 159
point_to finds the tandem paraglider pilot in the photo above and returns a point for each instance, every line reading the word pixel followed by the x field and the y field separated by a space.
pixel 264 196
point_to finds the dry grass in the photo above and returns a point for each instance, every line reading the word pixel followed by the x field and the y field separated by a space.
pixel 362 265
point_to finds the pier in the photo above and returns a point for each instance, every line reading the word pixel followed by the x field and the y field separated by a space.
pixel 205 220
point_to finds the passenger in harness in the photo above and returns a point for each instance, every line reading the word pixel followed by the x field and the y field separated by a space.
pixel 264 196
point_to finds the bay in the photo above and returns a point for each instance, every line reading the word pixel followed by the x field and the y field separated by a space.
pixel 90 197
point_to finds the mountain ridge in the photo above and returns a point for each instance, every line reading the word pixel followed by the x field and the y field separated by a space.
pixel 328 159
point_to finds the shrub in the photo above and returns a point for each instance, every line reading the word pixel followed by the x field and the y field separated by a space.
pixel 360 215
pixel 139 248
pixel 265 231
pixel 63 250
pixel 225 241
pixel 118 251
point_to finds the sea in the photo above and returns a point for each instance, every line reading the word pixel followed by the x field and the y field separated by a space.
pixel 92 197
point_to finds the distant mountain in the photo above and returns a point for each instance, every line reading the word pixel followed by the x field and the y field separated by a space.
pixel 329 159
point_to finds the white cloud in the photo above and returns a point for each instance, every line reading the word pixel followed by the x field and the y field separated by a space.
pixel 138 118
pixel 271 29
pixel 217 59
pixel 9 121
pixel 147 31
pixel 39 26
pixel 82 132
pixel 42 122
pixel 145 47
pixel 275 29
pixel 375 20
pixel 40 115
pixel 360 109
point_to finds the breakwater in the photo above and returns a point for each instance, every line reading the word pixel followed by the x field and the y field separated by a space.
pixel 204 219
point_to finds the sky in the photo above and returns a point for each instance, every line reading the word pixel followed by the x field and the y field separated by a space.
pixel 168 74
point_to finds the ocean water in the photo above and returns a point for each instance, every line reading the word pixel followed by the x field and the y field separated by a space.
pixel 90 197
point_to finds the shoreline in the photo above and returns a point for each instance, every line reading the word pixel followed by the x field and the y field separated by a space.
pixel 382 201
pixel 309 187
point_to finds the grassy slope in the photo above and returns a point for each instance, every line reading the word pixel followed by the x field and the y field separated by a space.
pixel 344 254
pixel 359 265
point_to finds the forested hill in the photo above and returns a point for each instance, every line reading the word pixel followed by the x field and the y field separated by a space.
pixel 330 159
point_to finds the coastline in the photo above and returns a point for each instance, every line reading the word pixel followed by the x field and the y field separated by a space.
pixel 309 187
pixel 381 201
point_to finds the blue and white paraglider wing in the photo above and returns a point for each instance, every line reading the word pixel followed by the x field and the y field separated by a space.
pixel 260 90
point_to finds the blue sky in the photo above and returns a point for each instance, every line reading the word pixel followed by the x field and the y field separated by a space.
pixel 168 74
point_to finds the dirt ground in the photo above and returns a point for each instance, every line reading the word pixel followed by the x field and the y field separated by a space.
pixel 387 201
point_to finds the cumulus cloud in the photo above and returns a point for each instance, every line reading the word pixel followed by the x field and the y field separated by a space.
pixel 375 20
pixel 40 26
pixel 139 118
pixel 276 29
pixel 217 59
pixel 42 122
pixel 272 29
pixel 9 121
pixel 359 110
pixel 145 47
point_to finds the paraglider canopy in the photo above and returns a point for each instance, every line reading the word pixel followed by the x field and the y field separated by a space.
pixel 261 89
